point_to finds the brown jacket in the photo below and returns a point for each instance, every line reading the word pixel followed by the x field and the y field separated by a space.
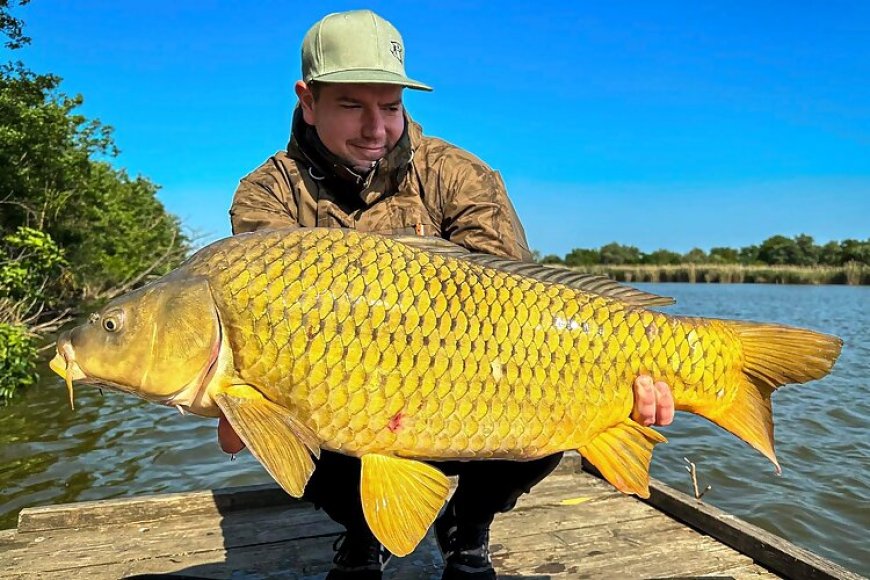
pixel 424 185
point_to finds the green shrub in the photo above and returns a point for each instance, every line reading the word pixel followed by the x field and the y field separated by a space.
pixel 31 271
pixel 30 263
pixel 17 359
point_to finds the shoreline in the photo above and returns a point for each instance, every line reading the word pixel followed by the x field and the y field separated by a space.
pixel 850 275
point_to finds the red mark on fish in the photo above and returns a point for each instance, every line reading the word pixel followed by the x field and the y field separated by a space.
pixel 396 422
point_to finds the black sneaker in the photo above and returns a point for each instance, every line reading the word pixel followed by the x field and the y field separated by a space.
pixel 358 556
pixel 465 550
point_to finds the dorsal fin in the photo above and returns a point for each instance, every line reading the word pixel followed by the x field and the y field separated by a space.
pixel 601 285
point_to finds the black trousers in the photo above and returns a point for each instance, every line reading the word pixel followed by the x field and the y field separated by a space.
pixel 485 487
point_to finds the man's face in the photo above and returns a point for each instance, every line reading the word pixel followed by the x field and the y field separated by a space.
pixel 359 123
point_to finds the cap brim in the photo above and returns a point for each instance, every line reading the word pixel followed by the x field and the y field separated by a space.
pixel 380 77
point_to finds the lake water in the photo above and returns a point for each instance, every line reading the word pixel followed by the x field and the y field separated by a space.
pixel 115 445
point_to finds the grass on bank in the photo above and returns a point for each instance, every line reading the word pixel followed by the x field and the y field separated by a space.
pixel 852 274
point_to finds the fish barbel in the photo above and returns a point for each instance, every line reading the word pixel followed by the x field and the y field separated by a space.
pixel 403 350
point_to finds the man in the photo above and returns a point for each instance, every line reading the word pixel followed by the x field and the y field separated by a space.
pixel 356 160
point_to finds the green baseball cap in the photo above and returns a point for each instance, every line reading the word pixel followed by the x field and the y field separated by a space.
pixel 355 47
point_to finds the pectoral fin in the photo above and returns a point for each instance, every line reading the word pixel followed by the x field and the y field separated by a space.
pixel 276 438
pixel 400 499
pixel 622 454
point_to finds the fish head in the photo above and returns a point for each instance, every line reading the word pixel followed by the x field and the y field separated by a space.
pixel 160 342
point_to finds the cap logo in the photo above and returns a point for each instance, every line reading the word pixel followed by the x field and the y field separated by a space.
pixel 396 50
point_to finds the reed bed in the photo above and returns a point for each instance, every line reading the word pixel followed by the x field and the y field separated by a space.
pixel 853 274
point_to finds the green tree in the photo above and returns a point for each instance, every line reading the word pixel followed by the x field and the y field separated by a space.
pixel 722 255
pixel 55 177
pixel 831 254
pixel 806 251
pixel 129 233
pixel 45 148
pixel 748 255
pixel 582 257
pixel 855 251
pixel 12 27
pixel 551 259
pixel 31 267
pixel 50 166
pixel 31 271
pixel 777 250
pixel 662 257
pixel 696 256
pixel 64 206
pixel 17 359
pixel 614 253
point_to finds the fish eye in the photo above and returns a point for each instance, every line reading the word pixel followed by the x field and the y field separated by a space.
pixel 111 323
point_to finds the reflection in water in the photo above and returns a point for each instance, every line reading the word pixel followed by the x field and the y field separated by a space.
pixel 118 446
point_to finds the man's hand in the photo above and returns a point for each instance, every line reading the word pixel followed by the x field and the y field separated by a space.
pixel 653 402
pixel 228 439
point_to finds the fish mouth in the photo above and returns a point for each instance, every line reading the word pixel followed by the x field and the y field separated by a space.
pixel 64 364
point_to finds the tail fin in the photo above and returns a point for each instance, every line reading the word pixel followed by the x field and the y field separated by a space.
pixel 774 355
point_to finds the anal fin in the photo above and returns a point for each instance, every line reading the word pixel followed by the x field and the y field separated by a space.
pixel 400 499
pixel 622 454
pixel 282 443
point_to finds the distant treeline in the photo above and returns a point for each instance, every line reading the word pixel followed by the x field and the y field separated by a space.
pixel 852 273
pixel 774 251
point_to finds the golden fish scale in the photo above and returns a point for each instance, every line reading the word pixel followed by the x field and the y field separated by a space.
pixel 382 348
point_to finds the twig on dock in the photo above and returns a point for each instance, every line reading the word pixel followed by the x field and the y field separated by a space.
pixel 694 473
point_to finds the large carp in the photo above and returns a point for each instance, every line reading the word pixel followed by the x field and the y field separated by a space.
pixel 402 350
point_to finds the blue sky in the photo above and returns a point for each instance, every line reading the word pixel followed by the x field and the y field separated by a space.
pixel 656 124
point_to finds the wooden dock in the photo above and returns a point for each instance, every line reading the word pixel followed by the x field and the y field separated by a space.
pixel 573 525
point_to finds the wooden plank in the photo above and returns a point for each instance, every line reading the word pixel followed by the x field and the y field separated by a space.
pixel 576 519
pixel 150 507
pixel 302 557
pixel 746 572
pixel 675 553
pixel 769 550
pixel 634 548
pixel 604 537
pixel 268 542
pixel 209 502
pixel 259 531
pixel 57 550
